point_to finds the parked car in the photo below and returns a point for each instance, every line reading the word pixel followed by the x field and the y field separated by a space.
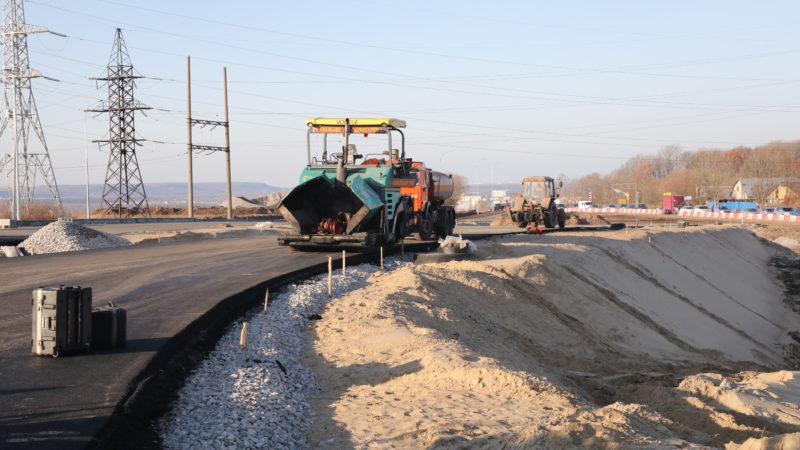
pixel 724 209
pixel 687 208
pixel 768 211
pixel 702 208
pixel 784 210
pixel 796 212
pixel 641 206
pixel 751 210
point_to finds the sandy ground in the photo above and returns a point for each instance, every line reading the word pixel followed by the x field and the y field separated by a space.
pixel 640 340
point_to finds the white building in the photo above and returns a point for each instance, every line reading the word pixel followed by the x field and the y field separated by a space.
pixel 471 202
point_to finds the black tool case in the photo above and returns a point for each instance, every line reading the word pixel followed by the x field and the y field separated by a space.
pixel 108 326
pixel 62 320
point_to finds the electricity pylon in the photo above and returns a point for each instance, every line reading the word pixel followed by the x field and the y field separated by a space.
pixel 19 113
pixel 123 190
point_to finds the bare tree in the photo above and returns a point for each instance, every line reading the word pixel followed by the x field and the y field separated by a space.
pixel 459 183
pixel 667 160
pixel 763 165
pixel 714 174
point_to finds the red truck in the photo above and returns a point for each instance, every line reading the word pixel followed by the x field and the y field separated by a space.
pixel 672 203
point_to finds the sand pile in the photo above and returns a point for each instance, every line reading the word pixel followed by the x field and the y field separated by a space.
pixel 564 340
pixel 585 218
pixel 575 219
pixel 65 236
pixel 502 220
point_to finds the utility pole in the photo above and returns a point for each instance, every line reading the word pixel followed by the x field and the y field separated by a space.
pixel 190 206
pixel 86 144
pixel 123 189
pixel 208 148
pixel 18 110
pixel 227 146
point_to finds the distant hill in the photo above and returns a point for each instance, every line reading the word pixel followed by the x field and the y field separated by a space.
pixel 160 193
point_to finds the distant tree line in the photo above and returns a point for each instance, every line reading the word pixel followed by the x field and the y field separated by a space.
pixel 706 175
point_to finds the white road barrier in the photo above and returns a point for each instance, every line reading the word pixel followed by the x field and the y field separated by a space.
pixel 708 214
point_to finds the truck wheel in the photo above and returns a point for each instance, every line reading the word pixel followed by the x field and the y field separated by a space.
pixel 401 228
pixel 451 220
pixel 425 229
pixel 447 222
pixel 549 219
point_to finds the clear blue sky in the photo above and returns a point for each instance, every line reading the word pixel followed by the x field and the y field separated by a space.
pixel 489 90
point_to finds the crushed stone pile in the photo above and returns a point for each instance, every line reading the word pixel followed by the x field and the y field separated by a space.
pixel 65 236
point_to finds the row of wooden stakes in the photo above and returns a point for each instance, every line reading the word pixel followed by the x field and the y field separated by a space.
pixel 243 334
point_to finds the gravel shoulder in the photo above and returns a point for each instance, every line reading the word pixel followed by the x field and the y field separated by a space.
pixel 256 396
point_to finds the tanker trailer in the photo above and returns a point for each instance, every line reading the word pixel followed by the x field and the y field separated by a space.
pixel 364 200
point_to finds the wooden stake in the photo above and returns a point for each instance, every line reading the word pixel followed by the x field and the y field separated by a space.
pixel 381 258
pixel 266 300
pixel 330 276
pixel 344 262
pixel 243 336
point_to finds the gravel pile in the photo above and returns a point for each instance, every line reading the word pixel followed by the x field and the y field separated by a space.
pixel 65 236
pixel 255 397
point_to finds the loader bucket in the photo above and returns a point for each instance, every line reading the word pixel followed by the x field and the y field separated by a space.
pixel 321 203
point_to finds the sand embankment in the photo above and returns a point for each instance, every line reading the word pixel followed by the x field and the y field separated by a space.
pixel 660 339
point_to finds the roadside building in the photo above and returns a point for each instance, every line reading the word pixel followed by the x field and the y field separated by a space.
pixel 499 199
pixel 761 190
pixel 786 194
pixel 472 203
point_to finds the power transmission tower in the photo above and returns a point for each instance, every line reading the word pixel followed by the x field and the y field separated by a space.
pixel 19 113
pixel 123 189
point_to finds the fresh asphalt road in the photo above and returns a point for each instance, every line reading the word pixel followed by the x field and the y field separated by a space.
pixel 121 228
pixel 64 402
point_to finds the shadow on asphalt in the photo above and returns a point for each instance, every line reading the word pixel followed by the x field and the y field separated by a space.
pixel 136 346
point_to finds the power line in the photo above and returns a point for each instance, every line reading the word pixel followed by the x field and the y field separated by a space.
pixel 568 69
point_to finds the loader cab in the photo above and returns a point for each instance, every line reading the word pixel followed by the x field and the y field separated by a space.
pixel 539 189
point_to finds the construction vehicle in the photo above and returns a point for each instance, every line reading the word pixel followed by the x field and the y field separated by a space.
pixel 376 199
pixel 537 204
pixel 671 204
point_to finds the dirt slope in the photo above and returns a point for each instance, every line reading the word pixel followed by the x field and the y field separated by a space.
pixel 564 339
